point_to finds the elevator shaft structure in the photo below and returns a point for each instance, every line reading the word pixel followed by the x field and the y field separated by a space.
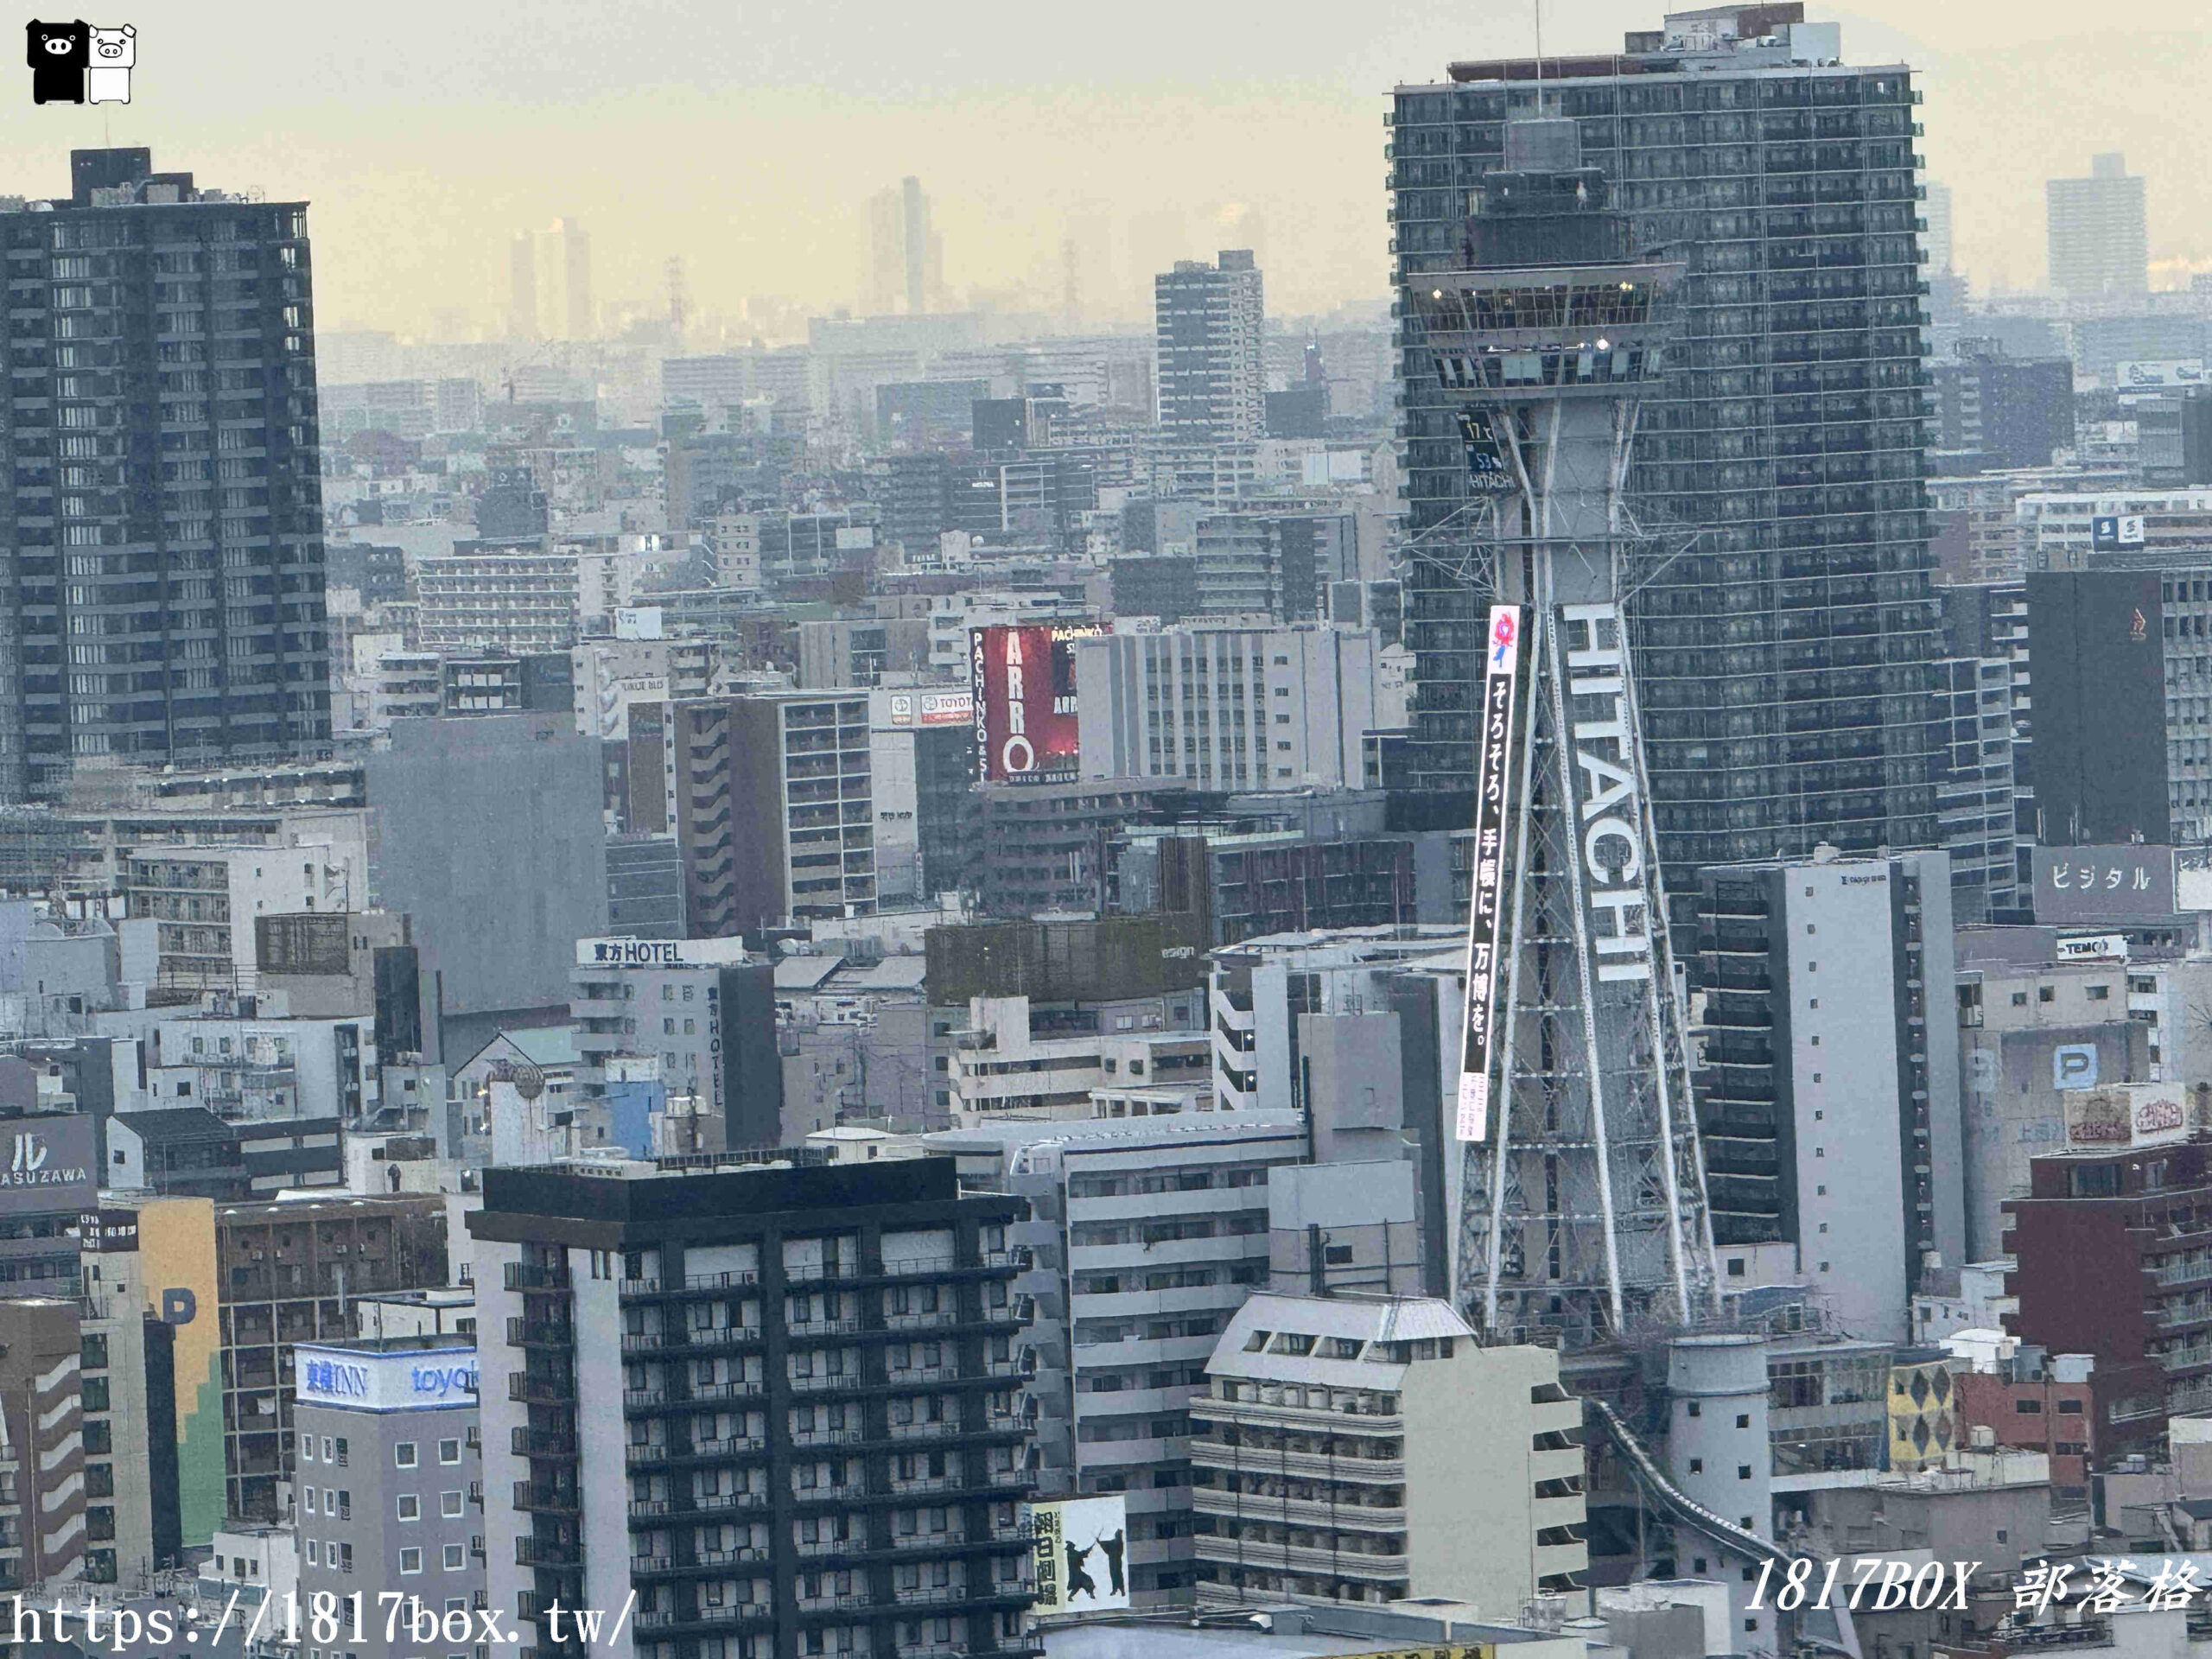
pixel 1581 1209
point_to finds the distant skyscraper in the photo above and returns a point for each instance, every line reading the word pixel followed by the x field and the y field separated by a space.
pixel 1209 323
pixel 1785 655
pixel 905 256
pixel 162 558
pixel 2100 237
pixel 575 275
pixel 522 287
pixel 914 208
pixel 887 254
pixel 1936 210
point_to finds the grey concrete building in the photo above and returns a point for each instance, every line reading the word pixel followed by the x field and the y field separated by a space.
pixel 44 1531
pixel 488 833
pixel 2099 234
pixel 769 800
pixel 129 1396
pixel 1823 1097
pixel 2030 1034
pixel 1352 1027
pixel 165 525
pixel 698 1006
pixel 389 1476
pixel 1144 1236
pixel 645 886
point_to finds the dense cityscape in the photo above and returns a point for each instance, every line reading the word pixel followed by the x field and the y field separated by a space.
pixel 972 971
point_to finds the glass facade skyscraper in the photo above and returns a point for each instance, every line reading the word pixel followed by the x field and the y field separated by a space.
pixel 162 555
pixel 1784 624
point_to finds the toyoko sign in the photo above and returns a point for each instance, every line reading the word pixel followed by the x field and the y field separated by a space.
pixel 1493 799
pixel 409 1380
pixel 46 1163
pixel 1024 688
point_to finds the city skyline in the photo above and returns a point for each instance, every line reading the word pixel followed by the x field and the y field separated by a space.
pixel 420 171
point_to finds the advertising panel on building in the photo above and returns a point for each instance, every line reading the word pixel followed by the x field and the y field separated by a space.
pixel 1493 793
pixel 2091 947
pixel 1487 472
pixel 930 708
pixel 2112 531
pixel 1024 690
pixel 659 953
pixel 408 1380
pixel 49 1164
pixel 2171 372
pixel 2132 883
pixel 1081 1543
pixel 2125 1115
pixel 108 1232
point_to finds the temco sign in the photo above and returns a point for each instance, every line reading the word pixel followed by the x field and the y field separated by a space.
pixel 363 1380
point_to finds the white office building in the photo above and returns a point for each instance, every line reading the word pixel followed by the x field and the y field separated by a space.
pixel 1233 708
pixel 1145 1238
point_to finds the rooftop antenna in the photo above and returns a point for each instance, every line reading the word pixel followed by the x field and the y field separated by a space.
pixel 1538 5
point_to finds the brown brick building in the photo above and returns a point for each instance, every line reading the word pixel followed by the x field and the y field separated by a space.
pixel 2114 1252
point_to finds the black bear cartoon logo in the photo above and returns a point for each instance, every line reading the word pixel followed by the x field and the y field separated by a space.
pixel 59 54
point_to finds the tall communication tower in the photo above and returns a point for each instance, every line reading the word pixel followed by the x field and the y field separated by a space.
pixel 679 304
pixel 1582 1209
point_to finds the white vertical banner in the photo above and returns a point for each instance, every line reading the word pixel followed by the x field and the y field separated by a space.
pixel 1493 800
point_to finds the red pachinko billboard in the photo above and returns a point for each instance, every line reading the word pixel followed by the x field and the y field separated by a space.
pixel 1025 703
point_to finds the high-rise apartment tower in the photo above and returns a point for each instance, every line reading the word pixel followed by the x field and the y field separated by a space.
pixel 2099 234
pixel 1784 651
pixel 162 558
pixel 1210 320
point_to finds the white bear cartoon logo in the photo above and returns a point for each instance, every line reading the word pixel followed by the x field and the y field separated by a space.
pixel 114 52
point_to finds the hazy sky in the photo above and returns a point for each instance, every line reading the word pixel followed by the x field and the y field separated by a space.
pixel 746 136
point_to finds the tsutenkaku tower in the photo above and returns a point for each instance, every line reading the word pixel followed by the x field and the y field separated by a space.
pixel 1581 1207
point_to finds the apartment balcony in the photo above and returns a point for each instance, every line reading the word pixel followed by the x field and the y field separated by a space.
pixel 1298 1418
pixel 658 1511
pixel 1380 1472
pixel 541 1333
pixel 1292 1558
pixel 704 1561
pixel 691 1285
pixel 538 1498
pixel 719 1337
pixel 537 1552
pixel 746 1616
pixel 523 1275
pixel 554 1391
pixel 1299 1512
